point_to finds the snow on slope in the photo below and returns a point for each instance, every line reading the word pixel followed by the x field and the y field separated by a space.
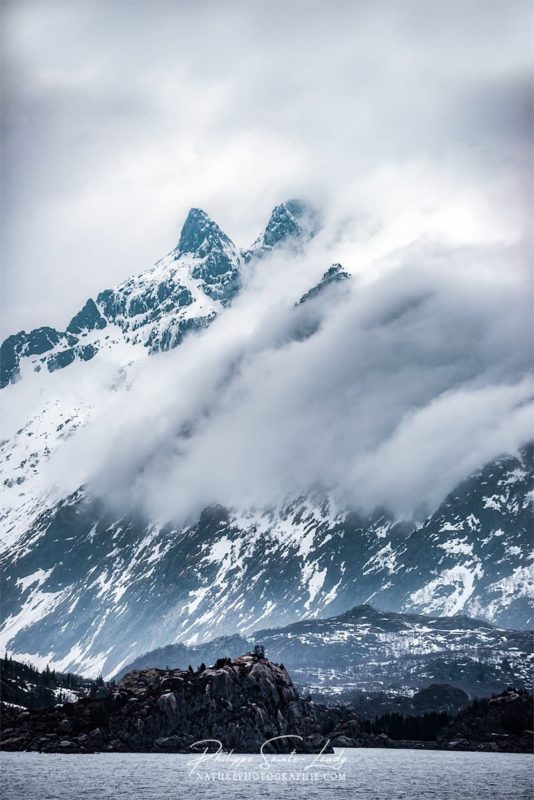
pixel 366 649
pixel 87 589
pixel 111 588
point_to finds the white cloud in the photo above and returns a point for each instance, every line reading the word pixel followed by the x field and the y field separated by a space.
pixel 119 116
pixel 414 379
pixel 409 124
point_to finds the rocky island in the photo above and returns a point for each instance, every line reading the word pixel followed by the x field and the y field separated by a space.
pixel 242 702
pixel 248 703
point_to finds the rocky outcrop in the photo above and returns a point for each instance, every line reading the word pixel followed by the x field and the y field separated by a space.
pixel 243 703
pixel 333 276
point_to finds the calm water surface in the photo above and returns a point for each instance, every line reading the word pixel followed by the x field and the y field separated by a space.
pixel 367 774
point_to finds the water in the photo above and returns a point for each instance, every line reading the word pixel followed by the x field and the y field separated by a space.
pixel 369 774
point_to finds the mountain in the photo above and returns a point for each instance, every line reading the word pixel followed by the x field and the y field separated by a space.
pixel 143 315
pixel 291 224
pixel 88 591
pixel 333 276
pixel 156 309
pixel 88 588
pixel 377 651
pixel 182 292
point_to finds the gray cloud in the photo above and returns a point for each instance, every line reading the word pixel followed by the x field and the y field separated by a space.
pixel 409 125
pixel 118 116
pixel 412 381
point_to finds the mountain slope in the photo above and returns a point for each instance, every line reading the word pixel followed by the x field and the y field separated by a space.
pixel 94 590
pixel 181 292
pixel 371 650
pixel 88 588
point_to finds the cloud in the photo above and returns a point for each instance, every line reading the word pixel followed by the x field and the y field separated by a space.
pixel 411 381
pixel 409 125
pixel 118 117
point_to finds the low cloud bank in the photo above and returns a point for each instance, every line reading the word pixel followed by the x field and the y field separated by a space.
pixel 412 379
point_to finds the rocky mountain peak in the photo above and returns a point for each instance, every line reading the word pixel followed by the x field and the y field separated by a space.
pixel 217 259
pixel 283 224
pixel 333 275
pixel 292 221
pixel 200 234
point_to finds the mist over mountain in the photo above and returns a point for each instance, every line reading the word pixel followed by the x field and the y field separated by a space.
pixel 237 438
pixel 385 394
pixel 266 397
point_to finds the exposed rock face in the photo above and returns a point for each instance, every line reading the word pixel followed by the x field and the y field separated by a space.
pixel 241 702
pixel 290 223
pixel 217 259
pixel 334 275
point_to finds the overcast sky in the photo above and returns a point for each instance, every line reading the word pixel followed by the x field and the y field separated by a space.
pixel 409 124
pixel 405 119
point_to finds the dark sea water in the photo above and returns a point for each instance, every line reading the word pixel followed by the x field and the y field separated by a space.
pixel 367 774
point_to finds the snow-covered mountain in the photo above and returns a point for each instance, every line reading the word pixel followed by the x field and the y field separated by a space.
pixel 370 650
pixel 88 591
pixel 87 588
pixel 181 292
pixel 143 315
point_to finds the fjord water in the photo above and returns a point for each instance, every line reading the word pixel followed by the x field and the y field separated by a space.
pixel 369 774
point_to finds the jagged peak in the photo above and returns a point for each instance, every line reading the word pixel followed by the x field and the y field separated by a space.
pixel 200 233
pixel 293 219
pixel 336 270
pixel 333 275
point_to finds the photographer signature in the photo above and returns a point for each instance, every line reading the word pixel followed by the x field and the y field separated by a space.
pixel 208 757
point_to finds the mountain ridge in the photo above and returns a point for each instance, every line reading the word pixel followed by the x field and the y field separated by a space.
pixel 365 649
pixel 199 276
pixel 229 571
pixel 88 587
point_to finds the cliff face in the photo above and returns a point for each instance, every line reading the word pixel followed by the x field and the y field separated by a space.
pixel 241 702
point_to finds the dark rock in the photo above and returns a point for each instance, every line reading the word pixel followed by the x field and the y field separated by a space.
pixel 334 275
pixel 242 704
pixel 88 319
pixel 503 722
pixel 22 344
